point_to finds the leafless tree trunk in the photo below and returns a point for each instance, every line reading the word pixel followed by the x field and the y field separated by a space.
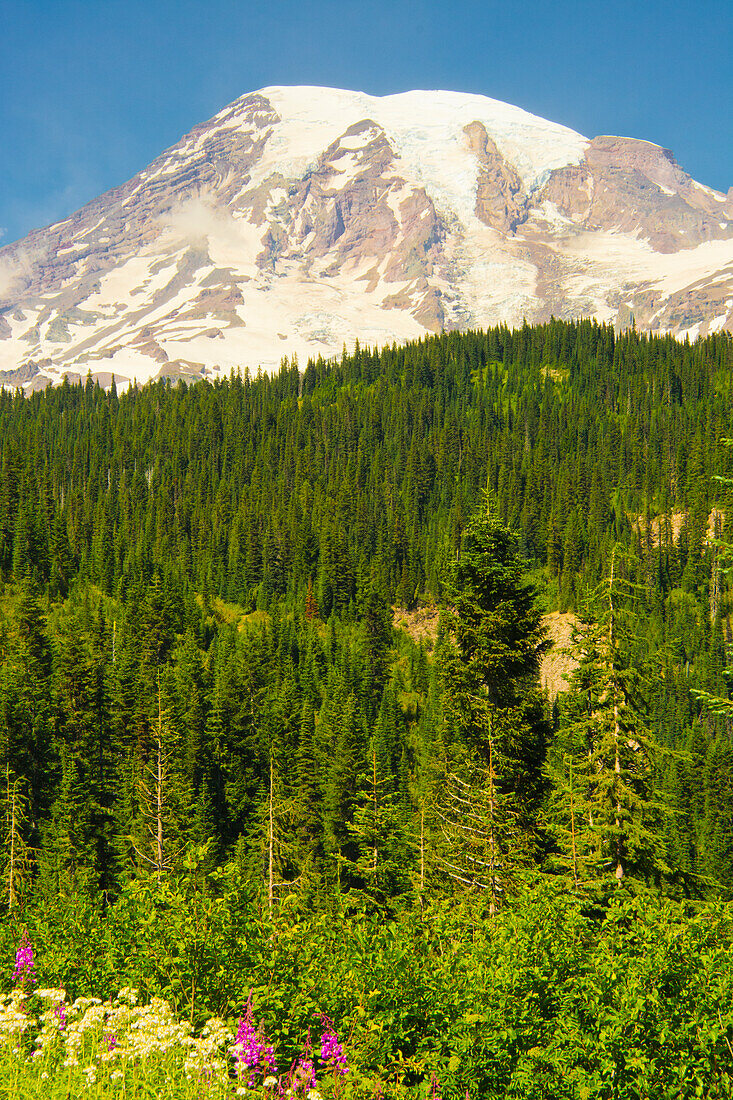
pixel 271 844
pixel 154 797
pixel 572 827
pixel 18 852
pixel 616 717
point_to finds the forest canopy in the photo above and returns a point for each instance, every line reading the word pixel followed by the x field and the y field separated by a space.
pixel 198 594
pixel 271 718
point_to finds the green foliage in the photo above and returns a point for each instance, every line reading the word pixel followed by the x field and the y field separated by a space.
pixel 198 665
pixel 602 764
pixel 241 543
pixel 490 671
pixel 552 997
pixel 494 743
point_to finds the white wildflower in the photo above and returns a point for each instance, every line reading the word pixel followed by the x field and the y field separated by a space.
pixel 51 994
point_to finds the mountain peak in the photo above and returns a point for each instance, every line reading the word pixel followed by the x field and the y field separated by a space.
pixel 298 219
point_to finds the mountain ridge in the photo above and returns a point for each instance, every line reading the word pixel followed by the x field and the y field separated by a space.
pixel 298 220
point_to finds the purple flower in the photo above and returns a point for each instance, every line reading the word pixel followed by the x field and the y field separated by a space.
pixel 253 1053
pixel 110 1041
pixel 60 1014
pixel 24 973
pixel 332 1052
pixel 302 1076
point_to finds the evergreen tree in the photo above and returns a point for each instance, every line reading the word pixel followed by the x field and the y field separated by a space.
pixel 378 629
pixel 83 818
pixel 490 664
pixel 27 713
pixel 381 863
pixel 609 816
pixel 490 667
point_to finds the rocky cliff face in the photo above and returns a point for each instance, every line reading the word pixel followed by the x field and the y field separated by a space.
pixel 639 189
pixel 297 220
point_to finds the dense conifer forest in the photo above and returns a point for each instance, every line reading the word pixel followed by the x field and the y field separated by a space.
pixel 204 697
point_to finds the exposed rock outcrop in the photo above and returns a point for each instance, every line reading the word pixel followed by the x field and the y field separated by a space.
pixel 638 188
pixel 500 198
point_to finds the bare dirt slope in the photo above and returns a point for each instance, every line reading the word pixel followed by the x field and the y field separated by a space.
pixel 556 664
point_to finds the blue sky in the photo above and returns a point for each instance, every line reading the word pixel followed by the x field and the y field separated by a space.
pixel 92 90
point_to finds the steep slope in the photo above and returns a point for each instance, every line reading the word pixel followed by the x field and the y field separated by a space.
pixel 300 219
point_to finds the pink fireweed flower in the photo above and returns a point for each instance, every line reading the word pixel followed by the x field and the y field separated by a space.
pixel 60 1014
pixel 332 1052
pixel 24 973
pixel 302 1076
pixel 110 1041
pixel 251 1049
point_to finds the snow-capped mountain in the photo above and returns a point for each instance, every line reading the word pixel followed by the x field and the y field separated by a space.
pixel 298 220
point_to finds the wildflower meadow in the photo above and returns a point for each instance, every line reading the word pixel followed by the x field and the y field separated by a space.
pixel 549 999
pixel 53 1047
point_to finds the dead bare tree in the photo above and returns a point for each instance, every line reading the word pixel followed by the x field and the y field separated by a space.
pixel 18 853
pixel 159 853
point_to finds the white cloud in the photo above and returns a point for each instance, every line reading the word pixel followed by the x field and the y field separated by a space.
pixel 16 270
pixel 8 277
pixel 195 219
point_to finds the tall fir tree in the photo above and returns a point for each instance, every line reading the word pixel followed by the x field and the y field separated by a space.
pixel 607 811
pixel 490 666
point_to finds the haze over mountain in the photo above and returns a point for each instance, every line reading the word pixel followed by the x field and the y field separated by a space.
pixel 298 220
